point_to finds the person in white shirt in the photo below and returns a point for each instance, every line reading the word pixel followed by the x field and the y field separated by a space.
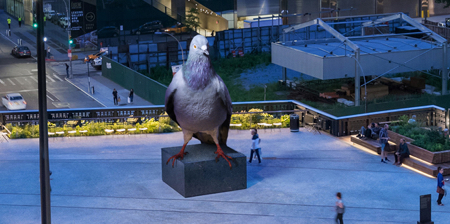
pixel 255 145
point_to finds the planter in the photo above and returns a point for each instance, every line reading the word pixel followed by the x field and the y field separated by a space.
pixel 396 137
pixel 423 154
pixel 419 152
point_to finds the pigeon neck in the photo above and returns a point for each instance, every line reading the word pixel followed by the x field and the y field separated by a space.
pixel 198 72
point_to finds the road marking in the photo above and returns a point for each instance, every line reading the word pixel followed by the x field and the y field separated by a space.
pixel 57 77
pixel 11 81
pixel 34 70
pixel 50 98
pixel 20 91
pixel 2 82
pixel 17 79
pixel 33 78
pixel 48 77
pixel 26 80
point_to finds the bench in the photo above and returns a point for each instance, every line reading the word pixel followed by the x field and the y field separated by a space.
pixel 373 145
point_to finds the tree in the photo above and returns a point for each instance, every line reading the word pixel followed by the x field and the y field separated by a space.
pixel 192 22
pixel 447 2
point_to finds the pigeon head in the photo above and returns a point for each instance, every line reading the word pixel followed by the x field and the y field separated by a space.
pixel 199 47
pixel 198 70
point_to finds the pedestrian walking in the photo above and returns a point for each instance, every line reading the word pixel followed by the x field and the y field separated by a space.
pixel 48 52
pixel 255 145
pixel 340 209
pixel 130 97
pixel 440 186
pixel 9 23
pixel 384 142
pixel 20 21
pixel 67 70
pixel 115 97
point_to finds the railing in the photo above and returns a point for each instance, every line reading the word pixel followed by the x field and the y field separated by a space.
pixel 338 126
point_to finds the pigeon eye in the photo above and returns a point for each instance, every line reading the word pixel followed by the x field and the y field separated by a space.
pixel 195 46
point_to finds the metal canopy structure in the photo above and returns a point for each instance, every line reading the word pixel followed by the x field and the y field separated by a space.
pixel 341 56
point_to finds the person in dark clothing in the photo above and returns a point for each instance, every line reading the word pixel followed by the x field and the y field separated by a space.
pixel 339 209
pixel 402 153
pixel 67 70
pixel 383 141
pixel 365 133
pixel 440 185
pixel 131 95
pixel 255 145
pixel 115 97
pixel 375 131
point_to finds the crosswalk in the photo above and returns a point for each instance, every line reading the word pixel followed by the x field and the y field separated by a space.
pixel 24 80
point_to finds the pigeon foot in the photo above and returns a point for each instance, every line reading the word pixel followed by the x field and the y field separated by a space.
pixel 220 153
pixel 179 155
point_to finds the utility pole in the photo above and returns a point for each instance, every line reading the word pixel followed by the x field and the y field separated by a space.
pixel 43 128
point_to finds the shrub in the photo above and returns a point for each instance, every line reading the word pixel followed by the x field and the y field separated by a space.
pixel 430 140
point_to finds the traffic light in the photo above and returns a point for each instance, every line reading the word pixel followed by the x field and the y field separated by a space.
pixel 70 41
pixel 35 23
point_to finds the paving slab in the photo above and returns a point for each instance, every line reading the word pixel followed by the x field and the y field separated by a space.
pixel 117 179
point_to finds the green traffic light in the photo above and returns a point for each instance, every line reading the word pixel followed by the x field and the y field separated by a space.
pixel 70 41
pixel 35 25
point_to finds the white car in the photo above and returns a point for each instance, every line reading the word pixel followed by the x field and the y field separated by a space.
pixel 97 63
pixel 14 101
pixel 64 22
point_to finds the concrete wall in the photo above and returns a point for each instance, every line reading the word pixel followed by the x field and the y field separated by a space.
pixel 298 60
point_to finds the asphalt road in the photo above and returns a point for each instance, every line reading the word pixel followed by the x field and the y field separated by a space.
pixel 19 75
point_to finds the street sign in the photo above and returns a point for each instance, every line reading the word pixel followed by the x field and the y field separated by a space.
pixel 176 68
pixel 69 53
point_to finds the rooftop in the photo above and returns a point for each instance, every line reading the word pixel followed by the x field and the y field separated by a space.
pixel 117 179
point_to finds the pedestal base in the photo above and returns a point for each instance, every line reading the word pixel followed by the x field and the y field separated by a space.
pixel 199 173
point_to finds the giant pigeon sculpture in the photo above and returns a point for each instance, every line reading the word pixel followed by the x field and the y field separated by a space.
pixel 198 100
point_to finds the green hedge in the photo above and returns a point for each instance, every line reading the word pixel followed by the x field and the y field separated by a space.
pixel 431 140
pixel 256 118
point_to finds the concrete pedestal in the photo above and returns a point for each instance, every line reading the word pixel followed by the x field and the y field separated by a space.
pixel 199 173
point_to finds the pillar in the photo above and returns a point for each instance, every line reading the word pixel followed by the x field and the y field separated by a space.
pixel 444 69
pixel 357 79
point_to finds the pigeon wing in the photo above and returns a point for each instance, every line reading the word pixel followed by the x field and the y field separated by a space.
pixel 170 96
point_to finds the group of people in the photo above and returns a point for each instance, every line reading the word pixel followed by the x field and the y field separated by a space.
pixel 116 97
pixel 374 132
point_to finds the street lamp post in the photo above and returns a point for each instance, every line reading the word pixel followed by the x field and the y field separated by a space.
pixel 69 34
pixel 44 166
pixel 182 55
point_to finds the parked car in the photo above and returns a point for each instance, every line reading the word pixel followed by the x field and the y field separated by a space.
pixel 55 18
pixel 50 15
pixel 64 22
pixel 108 31
pixel 14 101
pixel 90 57
pixel 178 28
pixel 150 27
pixel 97 62
pixel 21 51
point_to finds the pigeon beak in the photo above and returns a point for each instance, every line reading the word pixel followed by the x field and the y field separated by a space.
pixel 205 50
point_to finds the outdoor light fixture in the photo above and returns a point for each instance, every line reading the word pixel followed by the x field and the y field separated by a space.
pixel 45 39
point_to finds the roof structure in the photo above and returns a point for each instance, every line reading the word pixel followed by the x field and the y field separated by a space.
pixel 382 52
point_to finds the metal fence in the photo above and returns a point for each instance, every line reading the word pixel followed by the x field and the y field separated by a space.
pixel 143 86
pixel 430 115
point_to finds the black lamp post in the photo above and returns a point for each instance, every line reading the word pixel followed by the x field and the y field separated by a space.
pixel 43 128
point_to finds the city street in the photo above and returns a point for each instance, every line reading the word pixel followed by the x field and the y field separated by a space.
pixel 19 75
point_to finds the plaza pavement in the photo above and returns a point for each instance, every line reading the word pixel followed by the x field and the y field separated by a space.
pixel 117 179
